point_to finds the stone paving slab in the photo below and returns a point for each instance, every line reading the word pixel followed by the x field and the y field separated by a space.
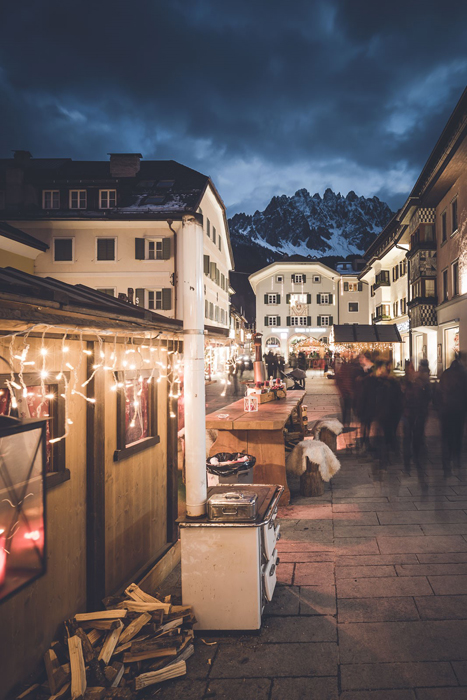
pixel 441 694
pixel 460 669
pixel 233 689
pixel 383 587
pixel 432 570
pixel 415 545
pixel 443 607
pixel 442 558
pixel 301 629
pixel 441 505
pixel 377 531
pixel 275 660
pixel 318 600
pixel 379 695
pixel 310 557
pixel 422 517
pixel 364 571
pixel 312 574
pixel 286 601
pixel 305 689
pixel 374 506
pixel 376 610
pixel 345 546
pixel 397 675
pixel 449 585
pixel 188 690
pixel 379 559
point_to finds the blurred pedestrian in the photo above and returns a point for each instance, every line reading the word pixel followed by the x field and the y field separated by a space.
pixel 416 395
pixel 451 401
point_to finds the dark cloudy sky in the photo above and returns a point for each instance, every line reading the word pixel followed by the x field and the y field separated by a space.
pixel 266 96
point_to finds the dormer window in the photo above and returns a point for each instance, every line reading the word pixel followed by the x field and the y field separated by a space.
pixel 78 199
pixel 298 279
pixel 50 199
pixel 107 199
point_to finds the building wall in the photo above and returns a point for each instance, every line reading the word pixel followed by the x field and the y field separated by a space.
pixel 20 262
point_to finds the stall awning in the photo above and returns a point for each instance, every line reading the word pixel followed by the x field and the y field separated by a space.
pixel 356 333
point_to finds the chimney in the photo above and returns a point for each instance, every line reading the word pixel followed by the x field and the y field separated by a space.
pixel 22 158
pixel 124 164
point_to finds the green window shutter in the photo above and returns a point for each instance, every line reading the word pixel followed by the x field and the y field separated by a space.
pixel 139 297
pixel 278 321
pixel 308 320
pixel 346 286
pixel 287 298
pixel 223 282
pixel 292 278
pixel 266 321
pixel 218 276
pixel 308 298
pixel 166 299
pixel 331 299
pixel 139 248
pixel 319 321
pixel 278 296
pixel 206 308
pixel 318 298
pixel 288 320
pixel 360 286
pixel 165 248
pixel 265 298
pixel 331 321
pixel 304 278
pixel 206 265
pixel 220 244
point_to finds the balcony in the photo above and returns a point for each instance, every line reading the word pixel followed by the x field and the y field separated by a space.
pixel 422 312
pixel 382 279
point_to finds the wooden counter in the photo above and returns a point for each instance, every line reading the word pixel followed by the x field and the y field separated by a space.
pixel 260 433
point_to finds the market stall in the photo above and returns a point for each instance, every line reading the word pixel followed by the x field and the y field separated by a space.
pixel 352 340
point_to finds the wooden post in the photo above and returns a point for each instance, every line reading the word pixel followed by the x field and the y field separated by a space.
pixel 311 483
pixel 329 439
pixel 172 462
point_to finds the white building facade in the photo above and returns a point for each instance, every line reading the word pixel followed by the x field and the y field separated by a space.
pixel 296 300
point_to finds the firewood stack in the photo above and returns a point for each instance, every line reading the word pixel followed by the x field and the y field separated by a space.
pixel 136 642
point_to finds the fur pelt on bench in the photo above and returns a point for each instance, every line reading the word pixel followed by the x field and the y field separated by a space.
pixel 332 424
pixel 317 452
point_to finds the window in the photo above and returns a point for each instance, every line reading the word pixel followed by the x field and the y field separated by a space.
pixel 219 243
pixel 38 404
pixel 324 299
pixel 445 285
pixel 272 321
pixel 298 321
pixel 352 286
pixel 402 267
pixel 154 299
pixel 222 316
pixel 206 308
pixel 382 279
pixel 455 278
pixel 316 279
pixel 444 227
pixel 214 234
pixel 107 199
pixel 395 273
pixel 353 306
pixel 383 312
pixel 78 199
pixel 208 228
pixel 403 306
pixel 155 250
pixel 430 288
pixel 110 291
pixel 279 279
pixel 454 216
pixel 429 232
pixel 63 249
pixel 165 184
pixel 106 248
pixel 211 311
pixel 136 412
pixel 395 309
pixel 51 199
pixel 324 320
pixel 271 298
pixel 298 279
pixel 216 314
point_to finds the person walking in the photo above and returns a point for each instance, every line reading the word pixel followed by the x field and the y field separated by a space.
pixel 270 363
pixel 416 395
pixel 452 406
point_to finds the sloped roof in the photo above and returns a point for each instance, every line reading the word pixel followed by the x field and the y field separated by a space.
pixel 356 333
pixel 15 234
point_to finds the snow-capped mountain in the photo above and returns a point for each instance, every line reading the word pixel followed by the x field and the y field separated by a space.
pixel 309 226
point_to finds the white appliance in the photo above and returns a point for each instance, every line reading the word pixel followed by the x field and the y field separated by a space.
pixel 229 568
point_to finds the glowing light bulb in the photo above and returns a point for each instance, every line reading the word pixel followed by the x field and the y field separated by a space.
pixel 43 351
pixel 87 352
pixel 65 349
pixel 59 376
pixel 113 387
pixel 69 421
pixel 50 396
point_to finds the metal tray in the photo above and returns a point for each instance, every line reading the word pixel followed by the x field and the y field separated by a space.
pixel 233 505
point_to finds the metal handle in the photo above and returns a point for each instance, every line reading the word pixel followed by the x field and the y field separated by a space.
pixel 232 511
pixel 278 536
pixel 278 561
pixel 272 570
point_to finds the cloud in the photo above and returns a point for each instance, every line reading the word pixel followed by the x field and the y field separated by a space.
pixel 264 97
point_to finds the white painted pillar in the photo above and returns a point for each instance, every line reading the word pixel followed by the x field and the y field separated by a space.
pixel 194 389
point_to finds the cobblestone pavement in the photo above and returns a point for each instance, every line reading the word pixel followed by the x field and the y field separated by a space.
pixel 372 600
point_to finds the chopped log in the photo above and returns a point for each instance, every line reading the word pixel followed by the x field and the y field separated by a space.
pixel 329 439
pixel 101 615
pixel 136 593
pixel 311 483
pixel 107 625
pixel 139 606
pixel 183 656
pixel 119 694
pixel 78 671
pixel 91 658
pixel 145 679
pixel 111 601
pixel 181 609
pixel 29 693
pixel 95 693
pixel 134 627
pixel 122 647
pixel 171 625
pixel 94 636
pixel 149 654
pixel 56 676
pixel 114 673
pixel 157 616
pixel 62 693
pixel 110 643
pixel 168 599
pixel 58 648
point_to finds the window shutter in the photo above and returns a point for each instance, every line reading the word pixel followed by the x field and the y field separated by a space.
pixel 319 321
pixel 266 298
pixel 218 276
pixel 360 286
pixel 292 278
pixel 266 321
pixel 318 298
pixel 288 320
pixel 278 298
pixel 304 278
pixel 212 267
pixel 331 321
pixel 166 299
pixel 308 320
pixel 278 320
pixel 346 286
pixel 287 298
pixel 308 298
pixel 165 248
pixel 139 248
pixel 206 265
pixel 331 298
pixel 139 298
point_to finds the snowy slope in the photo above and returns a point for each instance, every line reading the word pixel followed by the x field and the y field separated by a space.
pixel 310 226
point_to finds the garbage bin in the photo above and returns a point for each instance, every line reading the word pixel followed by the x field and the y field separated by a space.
pixel 231 468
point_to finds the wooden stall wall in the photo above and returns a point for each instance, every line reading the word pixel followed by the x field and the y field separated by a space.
pixel 135 497
pixel 30 619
